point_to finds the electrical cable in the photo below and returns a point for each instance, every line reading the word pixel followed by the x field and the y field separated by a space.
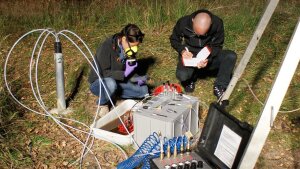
pixel 61 32
pixel 37 86
pixel 96 70
pixel 97 111
pixel 90 133
pixel 86 142
pixel 98 78
pixel 6 82
pixel 5 69
pixel 39 100
pixel 256 98
pixel 95 116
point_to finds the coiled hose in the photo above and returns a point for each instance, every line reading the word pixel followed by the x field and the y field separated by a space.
pixel 151 149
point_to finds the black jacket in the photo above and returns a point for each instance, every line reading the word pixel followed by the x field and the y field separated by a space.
pixel 108 62
pixel 184 36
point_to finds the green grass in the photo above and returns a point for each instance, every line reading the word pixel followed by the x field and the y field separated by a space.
pixel 41 141
pixel 94 20
pixel 81 115
pixel 17 158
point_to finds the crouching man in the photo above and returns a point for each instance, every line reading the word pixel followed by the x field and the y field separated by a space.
pixel 190 35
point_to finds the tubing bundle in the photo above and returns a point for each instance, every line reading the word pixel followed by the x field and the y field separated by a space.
pixel 151 149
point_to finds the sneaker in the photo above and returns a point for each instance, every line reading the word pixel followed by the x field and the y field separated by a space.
pixel 189 87
pixel 219 91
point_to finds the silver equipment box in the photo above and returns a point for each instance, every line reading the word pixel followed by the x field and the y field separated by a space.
pixel 172 115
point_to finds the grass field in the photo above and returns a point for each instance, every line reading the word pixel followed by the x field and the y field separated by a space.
pixel 31 141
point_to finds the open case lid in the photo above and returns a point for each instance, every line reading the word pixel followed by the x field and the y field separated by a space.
pixel 223 138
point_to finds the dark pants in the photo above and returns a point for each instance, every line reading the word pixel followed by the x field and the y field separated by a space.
pixel 223 63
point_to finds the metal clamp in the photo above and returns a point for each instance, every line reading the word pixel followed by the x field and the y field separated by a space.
pixel 272 117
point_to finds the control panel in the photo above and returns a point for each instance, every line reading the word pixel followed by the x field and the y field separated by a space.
pixel 188 160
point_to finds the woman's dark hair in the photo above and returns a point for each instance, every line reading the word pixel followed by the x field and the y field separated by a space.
pixel 132 33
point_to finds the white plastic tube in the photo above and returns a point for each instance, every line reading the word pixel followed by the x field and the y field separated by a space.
pixel 37 93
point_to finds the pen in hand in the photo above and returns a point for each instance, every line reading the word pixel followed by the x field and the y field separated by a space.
pixel 187 54
pixel 187 49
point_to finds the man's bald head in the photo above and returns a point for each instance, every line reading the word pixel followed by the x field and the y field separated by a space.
pixel 201 23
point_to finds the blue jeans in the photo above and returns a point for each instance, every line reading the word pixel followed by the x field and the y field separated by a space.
pixel 127 90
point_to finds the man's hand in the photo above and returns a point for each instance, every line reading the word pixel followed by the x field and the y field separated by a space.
pixel 186 54
pixel 202 64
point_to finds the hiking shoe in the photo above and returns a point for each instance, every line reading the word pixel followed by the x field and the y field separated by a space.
pixel 189 87
pixel 219 91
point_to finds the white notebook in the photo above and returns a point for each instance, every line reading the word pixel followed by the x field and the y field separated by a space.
pixel 202 55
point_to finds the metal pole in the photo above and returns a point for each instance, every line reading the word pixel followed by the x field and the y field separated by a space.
pixel 251 46
pixel 273 103
pixel 60 81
